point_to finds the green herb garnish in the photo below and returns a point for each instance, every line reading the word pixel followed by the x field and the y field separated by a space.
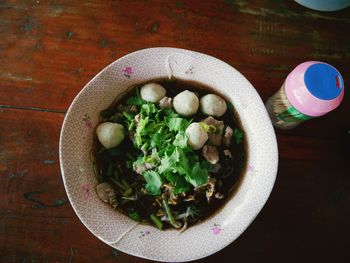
pixel 134 215
pixel 136 100
pixel 161 179
pixel 208 128
pixel 174 162
pixel 238 134
pixel 156 221
pixel 153 182
pixel 229 106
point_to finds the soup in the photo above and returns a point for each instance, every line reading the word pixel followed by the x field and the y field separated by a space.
pixel 168 153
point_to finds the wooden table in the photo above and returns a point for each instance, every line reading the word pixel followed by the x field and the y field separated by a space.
pixel 50 49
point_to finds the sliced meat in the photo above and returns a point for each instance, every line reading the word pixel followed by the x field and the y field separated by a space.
pixel 166 103
pixel 210 153
pixel 227 136
pixel 215 138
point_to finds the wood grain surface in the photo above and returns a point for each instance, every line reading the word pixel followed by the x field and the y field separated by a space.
pixel 50 49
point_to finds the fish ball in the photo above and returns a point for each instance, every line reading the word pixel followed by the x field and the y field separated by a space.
pixel 213 105
pixel 197 136
pixel 152 92
pixel 110 134
pixel 186 103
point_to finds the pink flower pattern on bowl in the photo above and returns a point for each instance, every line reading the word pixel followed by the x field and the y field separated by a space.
pixel 216 229
pixel 128 71
pixel 87 121
pixel 251 168
pixel 86 189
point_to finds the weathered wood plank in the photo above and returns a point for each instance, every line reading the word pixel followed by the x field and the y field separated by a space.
pixel 49 51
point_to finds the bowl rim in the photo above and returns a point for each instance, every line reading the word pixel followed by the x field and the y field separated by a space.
pixel 274 145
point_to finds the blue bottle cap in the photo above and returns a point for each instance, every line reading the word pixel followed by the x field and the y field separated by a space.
pixel 323 81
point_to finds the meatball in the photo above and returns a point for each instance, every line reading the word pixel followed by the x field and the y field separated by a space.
pixel 110 134
pixel 186 103
pixel 152 92
pixel 213 105
pixel 197 136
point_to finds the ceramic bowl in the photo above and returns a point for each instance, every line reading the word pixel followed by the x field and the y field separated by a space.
pixel 116 229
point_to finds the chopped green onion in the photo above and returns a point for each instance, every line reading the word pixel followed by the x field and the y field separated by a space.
pixel 168 211
pixel 156 221
pixel 208 128
pixel 127 192
pixel 144 147
pixel 134 215
pixel 132 125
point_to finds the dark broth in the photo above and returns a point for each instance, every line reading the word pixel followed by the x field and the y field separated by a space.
pixel 174 86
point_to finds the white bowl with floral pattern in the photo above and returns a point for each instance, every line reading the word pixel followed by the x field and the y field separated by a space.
pixel 116 229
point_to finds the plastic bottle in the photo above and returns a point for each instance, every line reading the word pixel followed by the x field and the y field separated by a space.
pixel 311 90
